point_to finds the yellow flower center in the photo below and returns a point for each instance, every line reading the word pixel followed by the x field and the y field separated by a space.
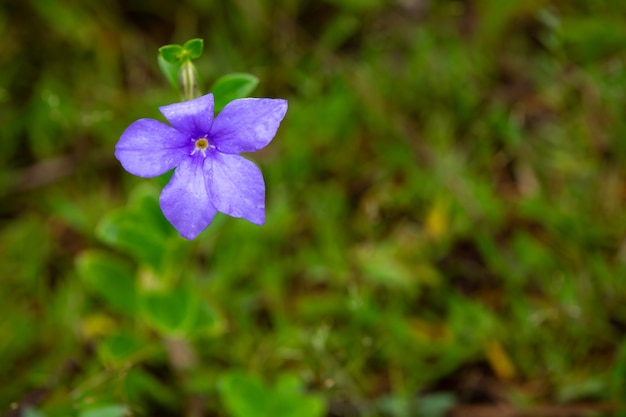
pixel 202 144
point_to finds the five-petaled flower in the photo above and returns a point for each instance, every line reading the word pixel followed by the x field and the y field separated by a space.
pixel 210 174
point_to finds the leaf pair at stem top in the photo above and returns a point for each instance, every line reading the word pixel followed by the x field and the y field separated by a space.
pixel 173 54
pixel 175 62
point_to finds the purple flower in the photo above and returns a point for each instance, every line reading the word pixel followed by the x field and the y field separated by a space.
pixel 210 175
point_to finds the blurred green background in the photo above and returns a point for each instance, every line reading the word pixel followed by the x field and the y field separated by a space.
pixel 445 229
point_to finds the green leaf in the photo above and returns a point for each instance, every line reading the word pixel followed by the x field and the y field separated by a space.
pixel 106 411
pixel 172 53
pixel 171 313
pixel 246 396
pixel 588 39
pixel 297 406
pixel 243 395
pixel 288 384
pixel 231 87
pixel 111 278
pixel 288 400
pixel 170 70
pixel 139 229
pixel 144 199
pixel 128 231
pixel 118 348
pixel 193 48
pixel 209 323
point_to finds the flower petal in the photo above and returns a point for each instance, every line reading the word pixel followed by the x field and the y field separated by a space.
pixel 247 124
pixel 194 117
pixel 148 148
pixel 237 187
pixel 185 201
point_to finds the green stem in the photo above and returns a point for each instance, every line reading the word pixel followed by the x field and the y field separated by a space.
pixel 188 80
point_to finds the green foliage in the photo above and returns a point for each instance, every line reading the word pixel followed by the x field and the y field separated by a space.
pixel 246 396
pixel 139 229
pixel 170 69
pixel 119 348
pixel 445 211
pixel 171 53
pixel 193 48
pixel 111 279
pixel 231 87
pixel 172 312
pixel 172 59
pixel 106 411
pixel 587 39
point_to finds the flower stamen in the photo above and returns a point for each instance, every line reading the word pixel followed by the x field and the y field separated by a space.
pixel 201 145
